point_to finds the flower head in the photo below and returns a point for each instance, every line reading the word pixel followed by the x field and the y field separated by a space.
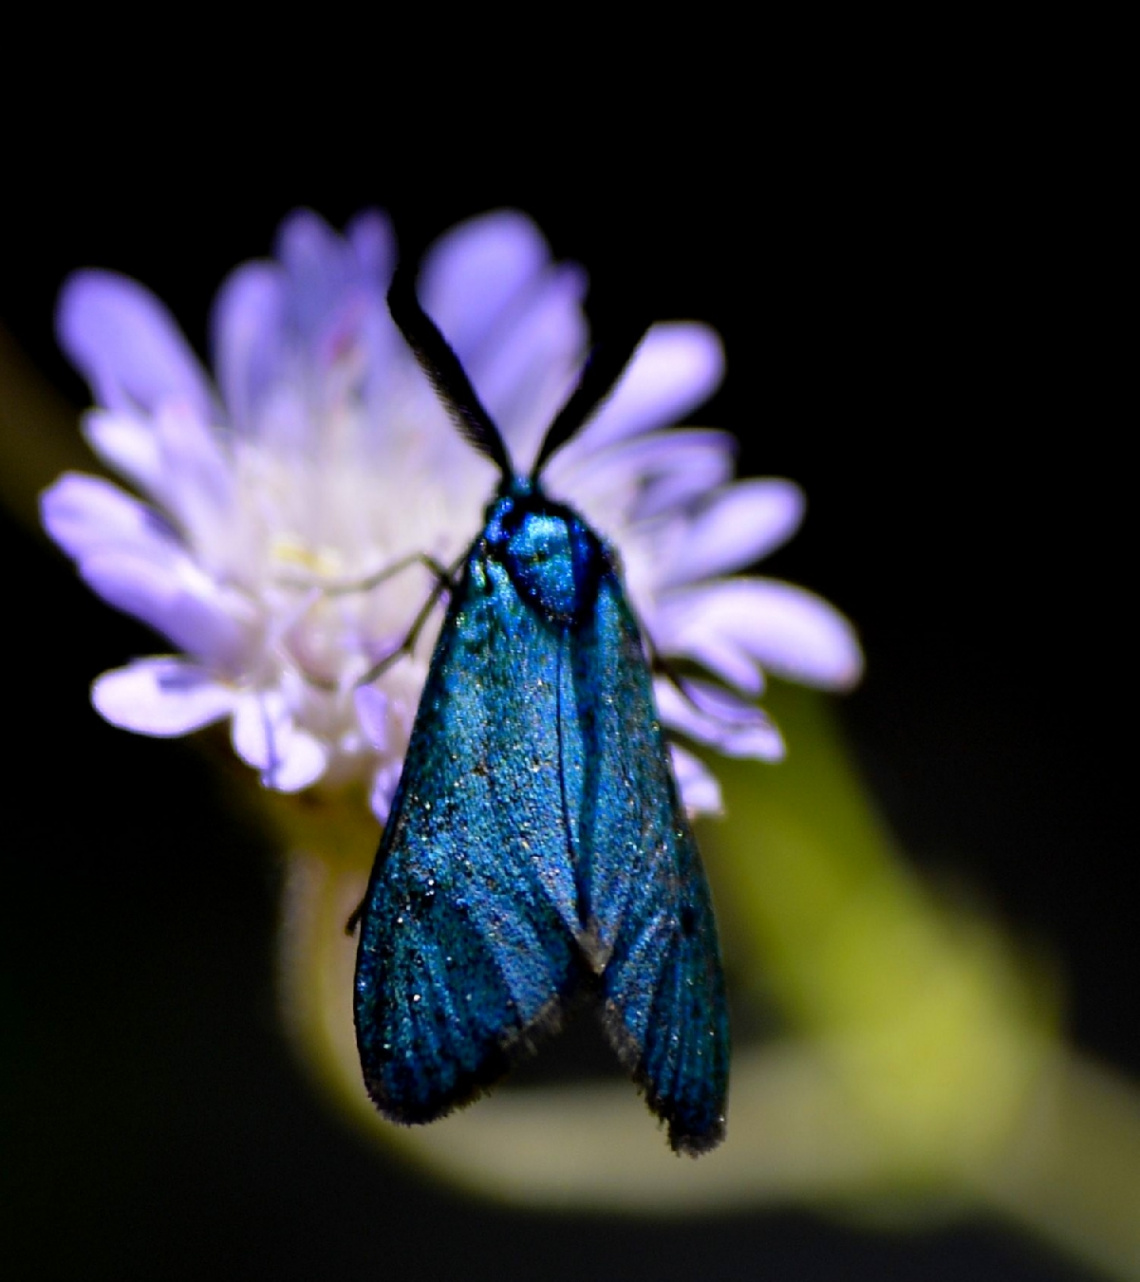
pixel 288 503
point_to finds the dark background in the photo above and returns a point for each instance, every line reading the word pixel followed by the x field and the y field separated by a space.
pixel 917 284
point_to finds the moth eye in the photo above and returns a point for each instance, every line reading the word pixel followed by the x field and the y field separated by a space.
pixel 688 920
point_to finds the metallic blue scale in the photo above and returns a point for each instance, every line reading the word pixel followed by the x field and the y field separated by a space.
pixel 536 842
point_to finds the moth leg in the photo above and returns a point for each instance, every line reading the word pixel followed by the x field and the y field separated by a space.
pixel 327 586
pixel 355 916
pixel 445 580
pixel 661 667
pixel 317 588
pixel 374 580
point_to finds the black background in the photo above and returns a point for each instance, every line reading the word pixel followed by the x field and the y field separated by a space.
pixel 916 278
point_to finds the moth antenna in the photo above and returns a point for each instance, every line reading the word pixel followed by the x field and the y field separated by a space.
pixel 600 375
pixel 439 362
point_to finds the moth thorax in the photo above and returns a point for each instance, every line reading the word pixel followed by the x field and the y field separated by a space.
pixel 552 559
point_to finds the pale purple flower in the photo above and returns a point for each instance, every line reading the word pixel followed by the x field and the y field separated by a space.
pixel 276 494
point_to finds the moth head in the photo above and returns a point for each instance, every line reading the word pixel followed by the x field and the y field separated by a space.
pixel 550 554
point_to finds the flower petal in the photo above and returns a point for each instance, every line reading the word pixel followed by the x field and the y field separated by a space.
pixel 787 630
pixel 722 655
pixel 199 481
pixel 373 709
pixel 161 696
pixel 175 598
pixel 247 325
pixel 266 736
pixel 373 245
pixel 86 514
pixel 384 784
pixel 700 792
pixel 739 524
pixel 710 714
pixel 318 264
pixel 660 471
pixel 524 377
pixel 695 462
pixel 473 275
pixel 335 287
pixel 677 367
pixel 291 329
pixel 127 345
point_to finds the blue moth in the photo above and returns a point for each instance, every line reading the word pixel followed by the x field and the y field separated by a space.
pixel 536 846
